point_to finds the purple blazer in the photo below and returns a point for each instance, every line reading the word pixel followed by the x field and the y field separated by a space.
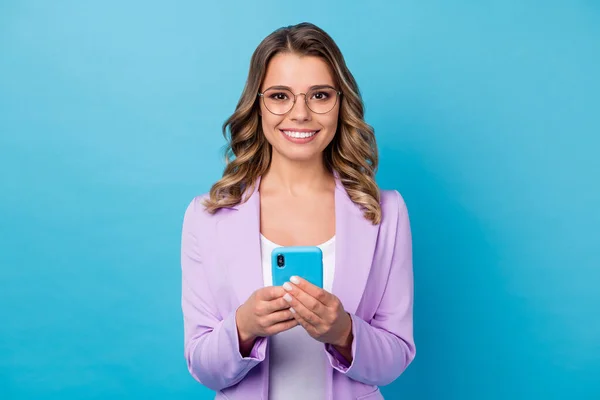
pixel 221 268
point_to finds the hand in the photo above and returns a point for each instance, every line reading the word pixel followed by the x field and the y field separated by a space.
pixel 319 312
pixel 265 313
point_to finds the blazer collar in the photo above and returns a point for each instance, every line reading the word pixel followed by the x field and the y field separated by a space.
pixel 355 241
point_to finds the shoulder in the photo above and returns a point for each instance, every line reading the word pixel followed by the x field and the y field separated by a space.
pixel 197 217
pixel 393 206
pixel 395 227
pixel 195 207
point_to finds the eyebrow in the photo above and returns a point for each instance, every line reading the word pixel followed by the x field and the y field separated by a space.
pixel 280 87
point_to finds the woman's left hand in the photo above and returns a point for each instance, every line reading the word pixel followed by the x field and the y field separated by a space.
pixel 319 312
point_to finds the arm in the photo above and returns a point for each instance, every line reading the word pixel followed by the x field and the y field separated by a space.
pixel 382 349
pixel 212 345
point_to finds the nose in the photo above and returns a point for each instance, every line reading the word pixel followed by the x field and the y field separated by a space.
pixel 300 111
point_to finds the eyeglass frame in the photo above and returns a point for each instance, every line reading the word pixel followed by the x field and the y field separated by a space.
pixel 337 92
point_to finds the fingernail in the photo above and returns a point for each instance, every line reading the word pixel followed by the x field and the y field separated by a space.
pixel 292 310
pixel 294 279
pixel 287 286
pixel 287 298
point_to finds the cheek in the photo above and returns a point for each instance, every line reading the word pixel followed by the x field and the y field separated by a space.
pixel 269 122
pixel 330 123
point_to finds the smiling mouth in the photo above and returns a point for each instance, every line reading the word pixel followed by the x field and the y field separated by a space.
pixel 299 135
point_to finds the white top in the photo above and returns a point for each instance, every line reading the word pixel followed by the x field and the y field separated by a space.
pixel 297 362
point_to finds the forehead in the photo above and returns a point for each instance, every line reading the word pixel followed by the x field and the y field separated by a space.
pixel 297 72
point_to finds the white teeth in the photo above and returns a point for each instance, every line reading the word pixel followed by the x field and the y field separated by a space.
pixel 299 135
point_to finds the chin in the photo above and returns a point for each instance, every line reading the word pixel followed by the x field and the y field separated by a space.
pixel 304 157
pixel 300 155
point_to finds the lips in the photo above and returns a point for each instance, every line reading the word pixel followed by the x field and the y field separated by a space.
pixel 299 136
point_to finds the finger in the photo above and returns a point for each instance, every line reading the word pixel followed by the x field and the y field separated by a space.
pixel 306 314
pixel 318 293
pixel 306 299
pixel 277 317
pixel 281 327
pixel 270 293
pixel 312 330
pixel 301 321
pixel 275 305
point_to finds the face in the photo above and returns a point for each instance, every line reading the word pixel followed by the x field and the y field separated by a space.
pixel 300 134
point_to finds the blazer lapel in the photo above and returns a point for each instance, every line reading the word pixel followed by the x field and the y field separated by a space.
pixel 239 231
pixel 356 238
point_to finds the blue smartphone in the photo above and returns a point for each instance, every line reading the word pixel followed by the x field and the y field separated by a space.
pixel 303 261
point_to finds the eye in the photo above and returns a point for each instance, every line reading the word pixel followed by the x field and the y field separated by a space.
pixel 320 96
pixel 280 96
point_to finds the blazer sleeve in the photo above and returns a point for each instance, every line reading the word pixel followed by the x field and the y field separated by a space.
pixel 383 348
pixel 211 345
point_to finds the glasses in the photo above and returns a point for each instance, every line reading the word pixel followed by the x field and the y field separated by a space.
pixel 280 101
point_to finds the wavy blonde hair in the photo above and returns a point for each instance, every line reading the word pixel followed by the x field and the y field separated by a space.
pixel 352 153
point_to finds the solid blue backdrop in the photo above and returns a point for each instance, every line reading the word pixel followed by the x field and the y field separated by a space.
pixel 486 114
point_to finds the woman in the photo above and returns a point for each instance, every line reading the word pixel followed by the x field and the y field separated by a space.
pixel 303 174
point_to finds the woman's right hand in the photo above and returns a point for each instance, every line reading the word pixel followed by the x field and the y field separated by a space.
pixel 265 313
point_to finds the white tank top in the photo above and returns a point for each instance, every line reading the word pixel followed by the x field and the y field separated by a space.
pixel 297 362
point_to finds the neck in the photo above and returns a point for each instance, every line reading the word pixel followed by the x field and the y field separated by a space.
pixel 296 177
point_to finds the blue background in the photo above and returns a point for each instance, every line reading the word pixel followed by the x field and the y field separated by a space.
pixel 486 114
